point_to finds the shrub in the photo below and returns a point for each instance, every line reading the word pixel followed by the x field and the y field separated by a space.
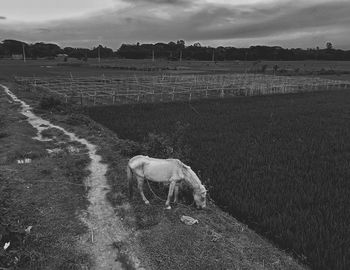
pixel 50 103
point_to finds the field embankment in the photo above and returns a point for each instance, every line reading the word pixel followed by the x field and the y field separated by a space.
pixel 278 163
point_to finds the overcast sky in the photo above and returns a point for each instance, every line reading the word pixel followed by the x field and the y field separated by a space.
pixel 238 23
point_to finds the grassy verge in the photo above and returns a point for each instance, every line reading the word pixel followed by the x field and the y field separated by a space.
pixel 42 197
pixel 217 242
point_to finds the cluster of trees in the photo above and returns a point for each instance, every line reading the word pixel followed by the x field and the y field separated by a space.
pixel 174 51
pixel 178 50
pixel 48 50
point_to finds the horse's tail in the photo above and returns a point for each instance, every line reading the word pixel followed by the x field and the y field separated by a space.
pixel 130 177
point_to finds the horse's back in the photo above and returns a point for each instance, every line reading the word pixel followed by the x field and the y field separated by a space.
pixel 162 170
pixel 156 169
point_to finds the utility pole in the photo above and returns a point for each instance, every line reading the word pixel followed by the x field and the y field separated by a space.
pixel 99 54
pixel 180 55
pixel 24 53
pixel 152 55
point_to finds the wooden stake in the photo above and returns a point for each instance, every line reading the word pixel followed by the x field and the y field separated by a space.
pixel 24 53
pixel 99 55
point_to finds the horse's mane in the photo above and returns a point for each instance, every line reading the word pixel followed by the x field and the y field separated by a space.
pixel 195 182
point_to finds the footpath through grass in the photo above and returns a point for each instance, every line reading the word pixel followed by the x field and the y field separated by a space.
pixel 278 163
pixel 39 201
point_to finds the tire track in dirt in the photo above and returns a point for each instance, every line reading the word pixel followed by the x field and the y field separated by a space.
pixel 104 226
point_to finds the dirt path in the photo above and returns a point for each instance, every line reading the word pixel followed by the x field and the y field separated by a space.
pixel 105 228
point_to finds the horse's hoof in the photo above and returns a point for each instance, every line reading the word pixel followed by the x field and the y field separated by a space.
pixel 147 202
pixel 168 207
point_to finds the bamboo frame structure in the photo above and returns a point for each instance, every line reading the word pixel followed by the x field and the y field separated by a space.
pixel 139 89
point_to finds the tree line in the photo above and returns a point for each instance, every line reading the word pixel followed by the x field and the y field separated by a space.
pixel 10 47
pixel 174 51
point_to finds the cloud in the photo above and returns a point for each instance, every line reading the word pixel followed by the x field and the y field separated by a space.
pixel 2 18
pixel 161 2
pixel 43 30
pixel 285 23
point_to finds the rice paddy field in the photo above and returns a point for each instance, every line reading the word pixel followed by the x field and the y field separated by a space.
pixel 279 163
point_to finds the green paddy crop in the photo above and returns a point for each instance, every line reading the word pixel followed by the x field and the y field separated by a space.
pixel 280 163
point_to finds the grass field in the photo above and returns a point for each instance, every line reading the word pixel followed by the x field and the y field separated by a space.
pixel 278 163
pixel 127 67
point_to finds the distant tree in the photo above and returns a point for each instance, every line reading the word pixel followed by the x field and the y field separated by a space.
pixel 104 52
pixel 172 45
pixel 13 46
pixel 3 50
pixel 181 44
pixel 329 46
pixel 42 49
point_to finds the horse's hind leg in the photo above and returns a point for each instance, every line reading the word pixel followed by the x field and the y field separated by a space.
pixel 176 193
pixel 140 182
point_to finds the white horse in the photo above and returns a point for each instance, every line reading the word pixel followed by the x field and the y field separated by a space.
pixel 170 171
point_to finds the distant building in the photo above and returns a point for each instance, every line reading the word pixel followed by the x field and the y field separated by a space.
pixel 61 57
pixel 17 56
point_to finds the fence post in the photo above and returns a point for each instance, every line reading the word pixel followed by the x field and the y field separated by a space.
pixel 222 94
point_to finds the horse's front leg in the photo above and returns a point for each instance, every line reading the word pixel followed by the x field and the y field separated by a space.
pixel 140 181
pixel 171 191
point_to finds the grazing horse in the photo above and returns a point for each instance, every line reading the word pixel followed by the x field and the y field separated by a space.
pixel 170 171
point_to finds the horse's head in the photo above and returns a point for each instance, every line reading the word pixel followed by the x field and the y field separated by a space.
pixel 200 197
